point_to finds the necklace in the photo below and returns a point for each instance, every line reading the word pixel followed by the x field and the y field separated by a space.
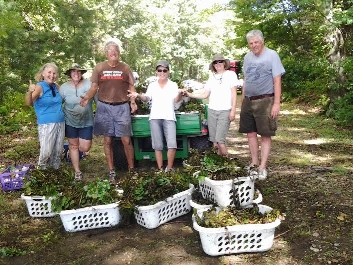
pixel 218 79
pixel 113 66
pixel 76 86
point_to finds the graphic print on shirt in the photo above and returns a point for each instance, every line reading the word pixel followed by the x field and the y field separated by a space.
pixel 116 75
pixel 253 72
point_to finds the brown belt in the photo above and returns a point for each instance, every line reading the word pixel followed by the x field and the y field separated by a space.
pixel 261 96
pixel 113 103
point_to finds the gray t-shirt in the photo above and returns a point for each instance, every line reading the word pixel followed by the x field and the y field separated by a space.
pixel 76 115
pixel 259 72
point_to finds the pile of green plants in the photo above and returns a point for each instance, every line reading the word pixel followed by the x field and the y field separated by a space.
pixel 229 216
pixel 47 182
pixel 143 108
pixel 149 187
pixel 192 105
pixel 209 164
pixel 68 194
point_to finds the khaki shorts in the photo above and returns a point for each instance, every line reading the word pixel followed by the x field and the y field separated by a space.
pixel 255 116
pixel 218 125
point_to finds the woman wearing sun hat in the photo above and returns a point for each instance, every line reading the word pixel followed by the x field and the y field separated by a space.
pixel 221 88
pixel 78 119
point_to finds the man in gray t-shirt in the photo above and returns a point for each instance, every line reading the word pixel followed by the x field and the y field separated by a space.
pixel 261 97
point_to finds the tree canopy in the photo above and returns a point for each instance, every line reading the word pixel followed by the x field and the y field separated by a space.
pixel 313 38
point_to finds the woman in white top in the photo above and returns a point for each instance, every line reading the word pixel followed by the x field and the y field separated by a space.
pixel 163 93
pixel 221 88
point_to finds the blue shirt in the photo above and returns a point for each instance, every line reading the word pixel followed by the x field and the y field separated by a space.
pixel 47 107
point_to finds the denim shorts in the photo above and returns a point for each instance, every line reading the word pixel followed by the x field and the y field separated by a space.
pixel 255 116
pixel 159 130
pixel 83 133
pixel 218 125
pixel 112 120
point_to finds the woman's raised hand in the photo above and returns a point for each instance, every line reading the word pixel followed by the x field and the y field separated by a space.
pixel 32 87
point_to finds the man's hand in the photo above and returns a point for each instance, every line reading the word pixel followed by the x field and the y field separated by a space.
pixel 133 107
pixel 132 95
pixel 83 101
pixel 275 110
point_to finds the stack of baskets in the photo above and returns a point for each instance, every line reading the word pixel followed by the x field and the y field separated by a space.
pixel 242 238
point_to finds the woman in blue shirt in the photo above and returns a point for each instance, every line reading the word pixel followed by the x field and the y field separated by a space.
pixel 47 102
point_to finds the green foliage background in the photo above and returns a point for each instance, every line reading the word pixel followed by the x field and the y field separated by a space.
pixel 313 38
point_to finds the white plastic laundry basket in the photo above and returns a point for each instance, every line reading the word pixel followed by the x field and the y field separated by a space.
pixel 90 217
pixel 237 238
pixel 152 216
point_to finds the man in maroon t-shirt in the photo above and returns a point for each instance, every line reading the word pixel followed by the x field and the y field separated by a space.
pixel 112 79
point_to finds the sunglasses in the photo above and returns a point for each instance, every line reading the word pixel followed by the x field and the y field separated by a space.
pixel 52 91
pixel 216 62
pixel 160 70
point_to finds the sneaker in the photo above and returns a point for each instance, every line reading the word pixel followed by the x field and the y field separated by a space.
pixel 262 174
pixel 78 176
pixel 159 171
pixel 112 176
pixel 169 170
pixel 132 170
pixel 250 167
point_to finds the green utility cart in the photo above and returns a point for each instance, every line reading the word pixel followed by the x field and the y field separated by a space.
pixel 191 129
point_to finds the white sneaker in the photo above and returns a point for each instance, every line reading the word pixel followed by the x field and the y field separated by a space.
pixel 169 170
pixel 78 176
pixel 112 176
pixel 262 174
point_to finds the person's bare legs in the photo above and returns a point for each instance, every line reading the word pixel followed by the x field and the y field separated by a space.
pixel 171 156
pixel 108 151
pixel 129 151
pixel 74 153
pixel 159 158
pixel 253 147
pixel 84 145
pixel 265 151
pixel 215 146
pixel 222 149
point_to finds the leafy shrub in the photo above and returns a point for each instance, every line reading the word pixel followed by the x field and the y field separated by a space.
pixel 14 114
pixel 343 109
pixel 306 78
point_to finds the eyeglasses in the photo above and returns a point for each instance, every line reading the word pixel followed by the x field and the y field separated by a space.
pixel 52 91
pixel 112 51
pixel 160 70
pixel 216 62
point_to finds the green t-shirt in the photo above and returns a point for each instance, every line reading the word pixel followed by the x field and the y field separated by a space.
pixel 76 115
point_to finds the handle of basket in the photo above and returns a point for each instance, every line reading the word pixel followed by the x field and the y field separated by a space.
pixel 259 197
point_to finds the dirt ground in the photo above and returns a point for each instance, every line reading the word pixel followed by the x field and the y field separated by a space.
pixel 316 199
